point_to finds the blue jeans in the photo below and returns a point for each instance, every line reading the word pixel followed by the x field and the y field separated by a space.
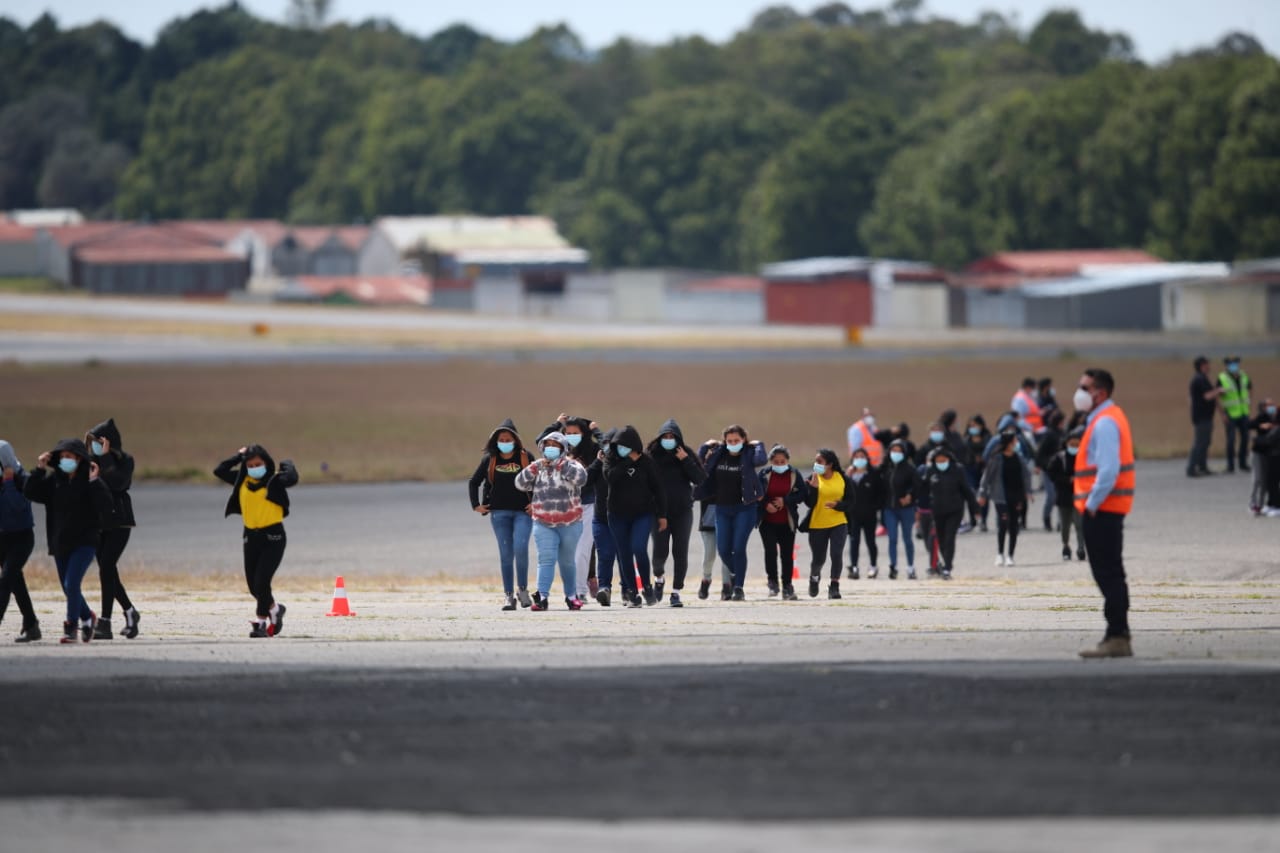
pixel 511 527
pixel 606 553
pixel 733 528
pixel 557 544
pixel 903 517
pixel 631 538
pixel 71 571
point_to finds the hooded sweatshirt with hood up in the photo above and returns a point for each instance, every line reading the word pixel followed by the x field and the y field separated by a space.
pixel 556 487
pixel 115 468
pixel 74 506
pixel 15 509
pixel 586 451
pixel 678 476
pixel 634 486
pixel 494 482
pixel 276 483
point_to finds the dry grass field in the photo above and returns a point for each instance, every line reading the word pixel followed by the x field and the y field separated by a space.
pixel 429 421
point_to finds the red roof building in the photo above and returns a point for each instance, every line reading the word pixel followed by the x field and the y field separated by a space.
pixel 1005 270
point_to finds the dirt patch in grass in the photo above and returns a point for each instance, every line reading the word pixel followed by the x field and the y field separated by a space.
pixel 430 421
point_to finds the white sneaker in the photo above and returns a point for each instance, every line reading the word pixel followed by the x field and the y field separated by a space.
pixel 999 559
pixel 1008 561
pixel 1272 512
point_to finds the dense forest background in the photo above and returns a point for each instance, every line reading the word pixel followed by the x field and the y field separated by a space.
pixel 884 132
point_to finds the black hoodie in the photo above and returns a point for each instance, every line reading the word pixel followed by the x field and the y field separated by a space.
pixel 586 451
pixel 233 471
pixel 678 476
pixel 115 468
pixel 74 506
pixel 494 482
pixel 634 485
pixel 596 475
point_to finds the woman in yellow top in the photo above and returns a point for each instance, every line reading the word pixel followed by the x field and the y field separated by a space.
pixel 829 493
pixel 259 495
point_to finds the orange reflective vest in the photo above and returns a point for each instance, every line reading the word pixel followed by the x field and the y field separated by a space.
pixel 875 450
pixel 1120 500
pixel 1035 419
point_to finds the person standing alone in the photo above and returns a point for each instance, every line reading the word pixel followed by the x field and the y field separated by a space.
pixel 1204 403
pixel 1105 481
pixel 1234 386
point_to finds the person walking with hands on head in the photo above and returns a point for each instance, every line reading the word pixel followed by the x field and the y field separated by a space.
pixel 555 481
pixel 493 493
pixel 259 494
pixel 1105 482
pixel 17 541
pixel 582 441
pixel 116 470
pixel 75 502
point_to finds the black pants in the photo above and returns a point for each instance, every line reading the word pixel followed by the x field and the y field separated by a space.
pixel 867 529
pixel 110 546
pixel 1007 519
pixel 946 527
pixel 15 549
pixel 1199 459
pixel 779 544
pixel 263 551
pixel 924 519
pixel 1104 540
pixel 1273 481
pixel 674 541
pixel 822 542
pixel 1237 427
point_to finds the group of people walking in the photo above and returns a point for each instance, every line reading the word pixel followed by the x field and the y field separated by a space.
pixel 1229 395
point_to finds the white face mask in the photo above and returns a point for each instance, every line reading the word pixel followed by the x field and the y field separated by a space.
pixel 1083 400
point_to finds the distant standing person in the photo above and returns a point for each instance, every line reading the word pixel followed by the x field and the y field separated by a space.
pixel 493 493
pixel 1261 425
pixel 1006 483
pixel 678 468
pixel 899 474
pixel 864 502
pixel 260 495
pixel 1105 481
pixel 706 507
pixel 976 437
pixel 637 507
pixel 1061 469
pixel 950 495
pixel 1235 387
pixel 1204 403
pixel 829 496
pixel 115 468
pixel 1026 403
pixel 732 479
pixel 17 541
pixel 784 490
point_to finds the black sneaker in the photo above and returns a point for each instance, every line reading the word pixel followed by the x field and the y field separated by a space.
pixel 276 625
pixel 738 594
pixel 704 590
pixel 539 603
pixel 872 574
pixel 946 574
pixel 635 601
pixel 893 573
pixel 602 596
pixel 573 603
pixel 773 590
pixel 510 602
pixel 87 629
pixel 789 593
pixel 726 592
pixel 258 631
pixel 833 591
pixel 650 598
pixel 853 573
pixel 813 586
pixel 103 630
pixel 659 586
pixel 522 595
pixel 675 600
pixel 131 619
pixel 68 634
pixel 1066 554
pixel 29 634
pixel 1080 555
pixel 983 527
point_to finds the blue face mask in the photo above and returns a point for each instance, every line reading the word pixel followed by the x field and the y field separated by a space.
pixel 975 430
pixel 668 444
pixel 819 468
pixel 552 453
pixel 1233 367
pixel 573 439
pixel 506 446
pixel 735 449
pixel 781 469
pixel 936 437
pixel 1271 411
pixel 623 451
pixel 943 466
pixel 99 448
pixel 859 463
pixel 896 457
pixel 68 466
pixel 257 472
pixel 1072 451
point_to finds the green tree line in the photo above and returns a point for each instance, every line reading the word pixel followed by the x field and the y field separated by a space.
pixel 884 132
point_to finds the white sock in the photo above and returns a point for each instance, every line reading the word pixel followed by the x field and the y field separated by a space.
pixel 275 610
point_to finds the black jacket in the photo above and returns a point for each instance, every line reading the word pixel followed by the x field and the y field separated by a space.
pixel 899 482
pixel 844 505
pixel 868 496
pixel 1048 446
pixel 634 485
pixel 74 506
pixel 480 487
pixel 1061 471
pixel 678 476
pixel 798 494
pixel 949 491
pixel 275 482
pixel 115 468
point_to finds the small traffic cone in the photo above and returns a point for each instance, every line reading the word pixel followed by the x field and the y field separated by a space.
pixel 795 563
pixel 340 606
pixel 639 583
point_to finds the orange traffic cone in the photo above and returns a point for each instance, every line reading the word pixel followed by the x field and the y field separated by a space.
pixel 795 563
pixel 340 606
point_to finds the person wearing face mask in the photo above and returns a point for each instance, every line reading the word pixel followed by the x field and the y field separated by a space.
pixel 1028 407
pixel 1105 483
pixel 1235 386
pixel 976 438
pixel 784 489
pixel 1047 397
pixel 949 494
pixel 75 502
pixel 732 479
pixel 899 475
pixel 680 473
pixel 829 497
pixel 606 549
pixel 115 468
pixel 1061 470
pixel 862 435
pixel 1266 461
pixel 1047 447
pixel 637 506
pixel 1007 483
pixel 865 502
pixel 582 437
pixel 493 492
pixel 1204 403
pixel 707 531
pixel 555 482
pixel 259 494
pixel 17 541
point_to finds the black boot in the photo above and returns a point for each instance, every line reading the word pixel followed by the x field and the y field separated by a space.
pixel 726 592
pixel 833 591
pixel 30 633
pixel 102 631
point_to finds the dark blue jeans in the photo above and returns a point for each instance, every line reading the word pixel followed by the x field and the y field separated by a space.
pixel 606 552
pixel 71 571
pixel 733 528
pixel 631 539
